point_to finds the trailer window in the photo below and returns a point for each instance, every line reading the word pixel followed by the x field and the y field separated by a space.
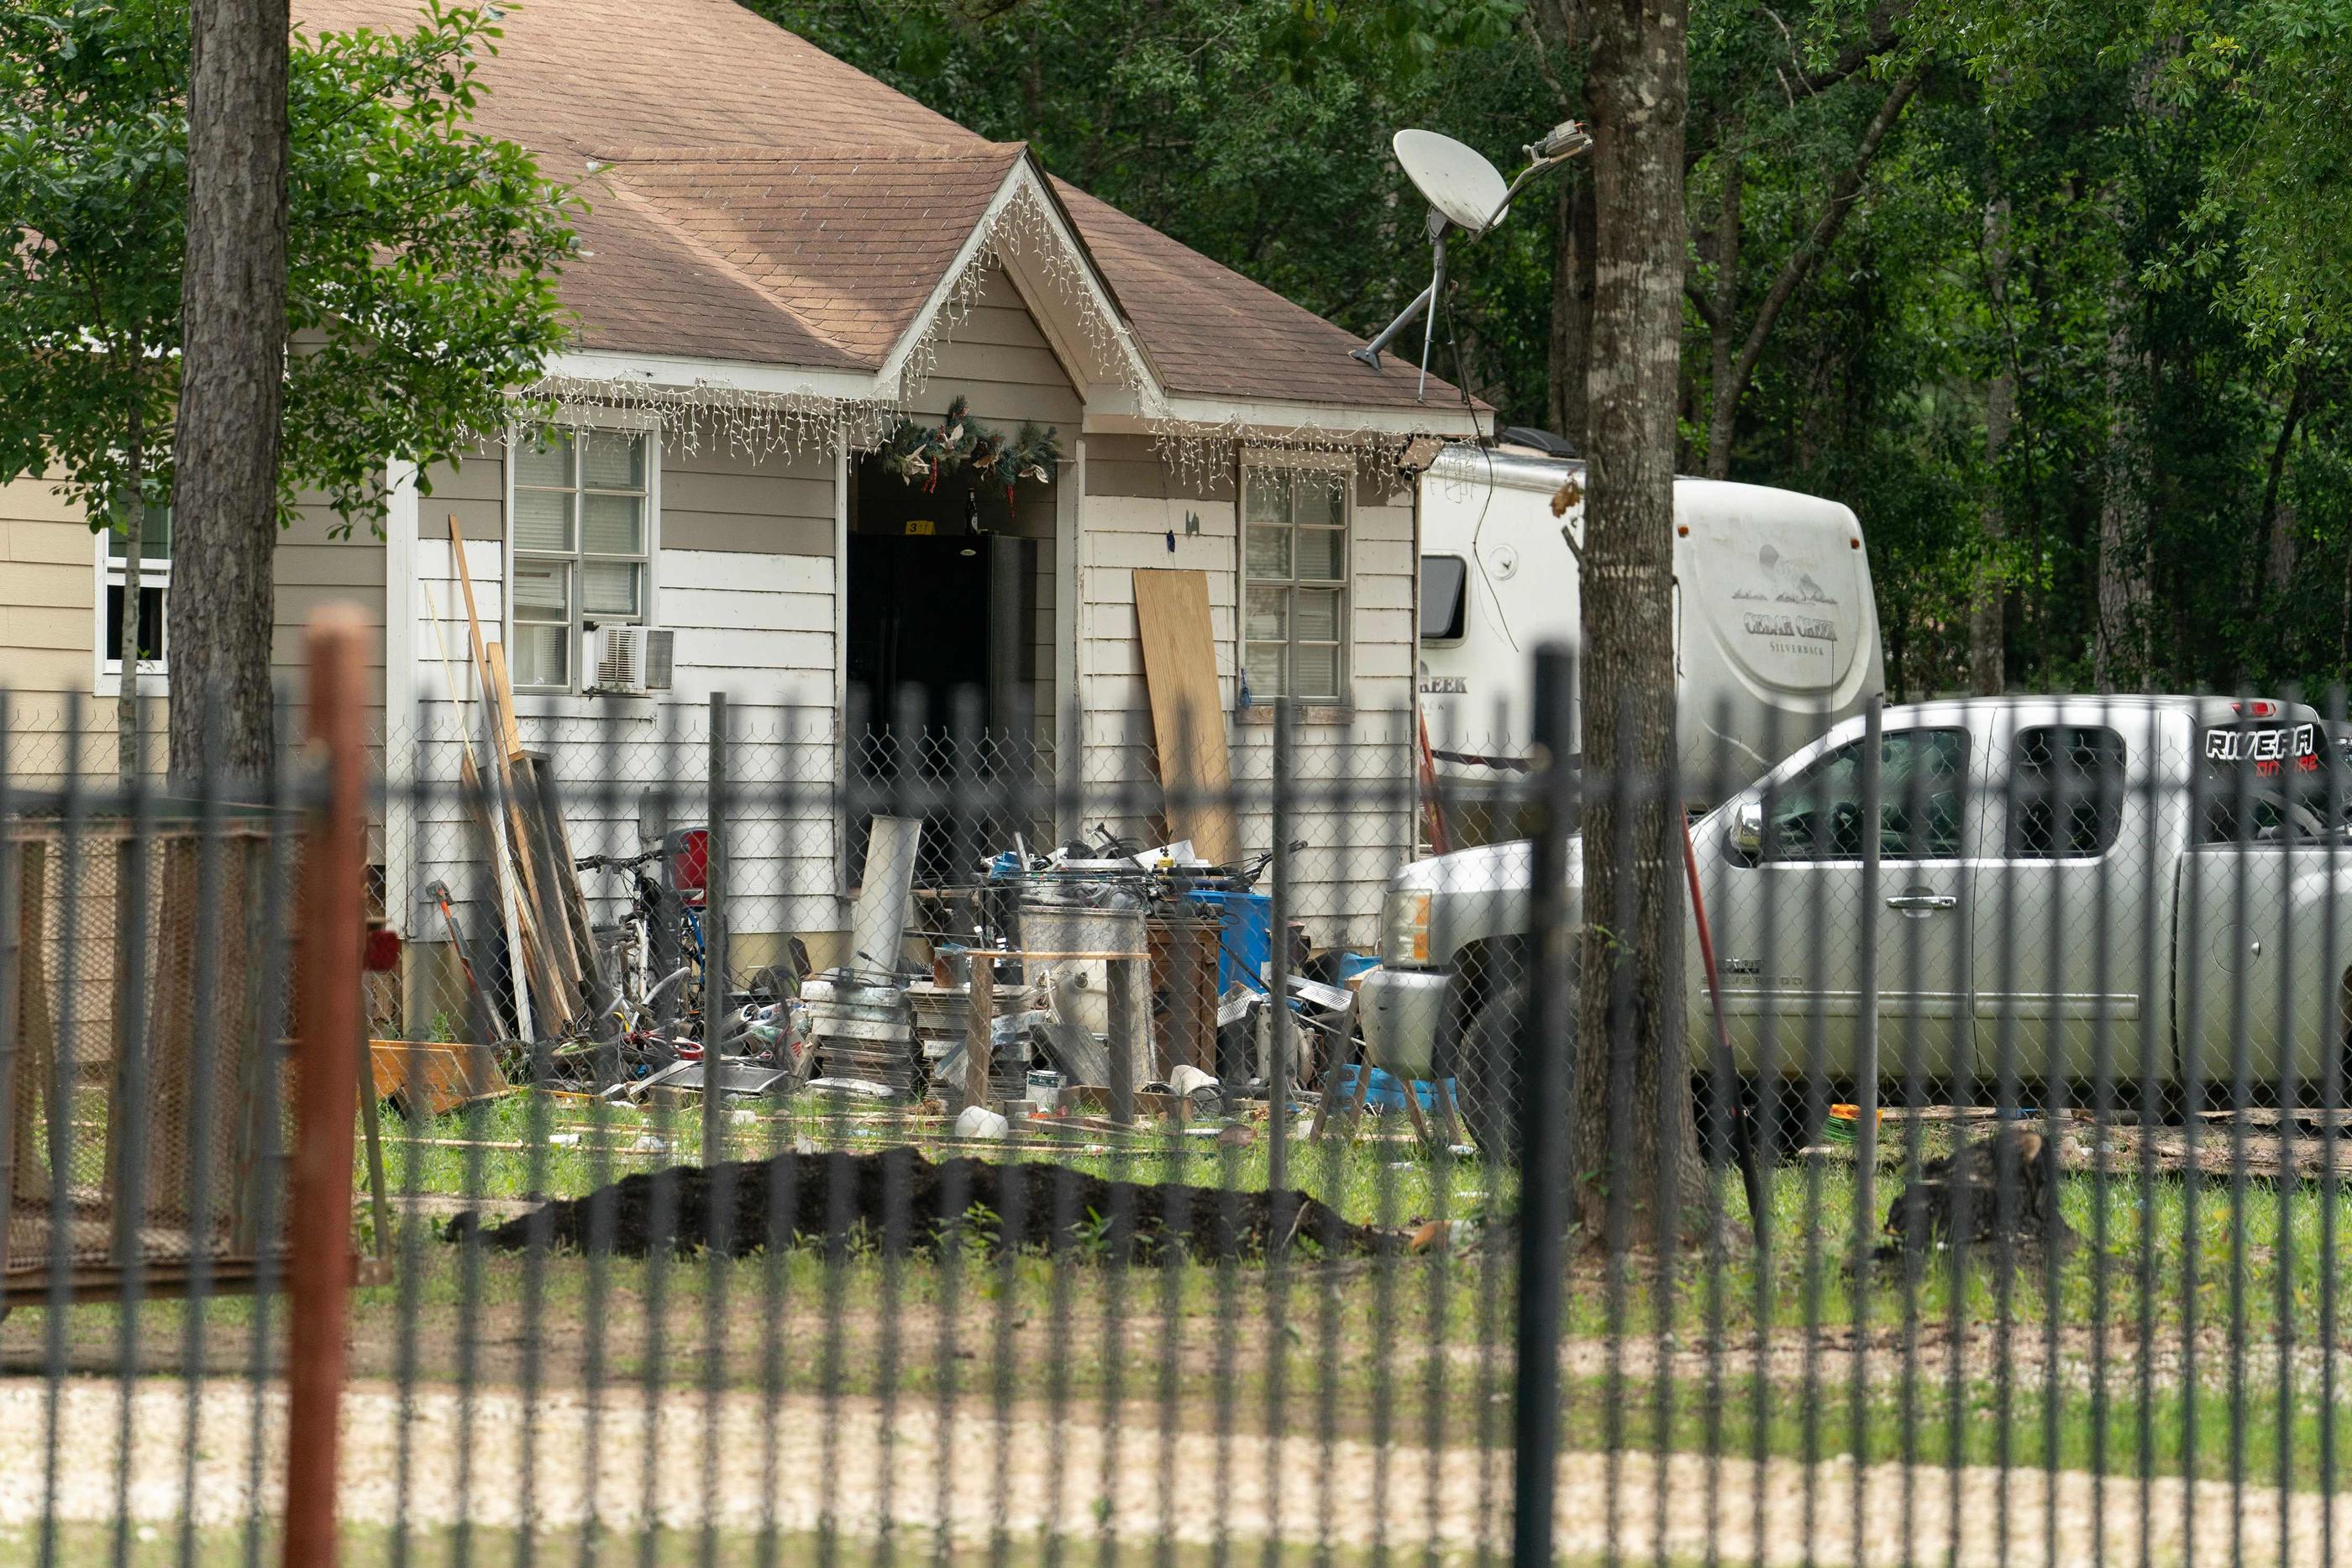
pixel 1445 596
pixel 2066 799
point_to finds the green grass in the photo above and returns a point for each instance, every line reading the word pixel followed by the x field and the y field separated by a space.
pixel 2192 1252
pixel 1410 1349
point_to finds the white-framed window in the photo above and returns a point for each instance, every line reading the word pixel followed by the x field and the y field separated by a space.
pixel 154 593
pixel 1295 581
pixel 581 529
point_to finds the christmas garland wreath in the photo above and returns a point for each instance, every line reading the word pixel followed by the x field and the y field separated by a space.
pixel 919 453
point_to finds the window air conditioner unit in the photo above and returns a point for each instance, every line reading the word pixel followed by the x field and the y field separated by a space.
pixel 633 660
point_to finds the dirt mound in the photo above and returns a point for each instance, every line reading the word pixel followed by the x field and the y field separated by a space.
pixel 899 1202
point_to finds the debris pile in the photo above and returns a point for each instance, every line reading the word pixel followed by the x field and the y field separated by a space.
pixel 2000 1193
pixel 899 1202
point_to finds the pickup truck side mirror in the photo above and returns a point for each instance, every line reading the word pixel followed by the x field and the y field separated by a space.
pixel 1745 833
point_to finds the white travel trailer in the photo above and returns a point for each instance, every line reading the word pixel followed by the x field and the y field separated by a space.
pixel 1775 632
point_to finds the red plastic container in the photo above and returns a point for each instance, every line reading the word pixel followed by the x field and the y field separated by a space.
pixel 689 859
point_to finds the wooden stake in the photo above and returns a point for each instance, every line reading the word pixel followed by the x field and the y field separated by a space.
pixel 980 1029
pixel 327 1007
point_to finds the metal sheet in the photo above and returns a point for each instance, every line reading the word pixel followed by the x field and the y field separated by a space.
pixel 878 920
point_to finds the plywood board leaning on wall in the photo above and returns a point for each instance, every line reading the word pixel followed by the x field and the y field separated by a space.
pixel 1188 721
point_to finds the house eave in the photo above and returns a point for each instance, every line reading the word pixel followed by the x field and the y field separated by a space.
pixel 1278 421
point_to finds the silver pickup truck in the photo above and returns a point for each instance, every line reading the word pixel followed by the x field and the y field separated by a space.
pixel 2158 889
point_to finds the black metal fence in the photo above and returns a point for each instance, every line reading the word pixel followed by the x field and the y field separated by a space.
pixel 1028 1198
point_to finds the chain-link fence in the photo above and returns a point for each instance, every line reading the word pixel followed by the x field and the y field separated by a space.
pixel 897 1142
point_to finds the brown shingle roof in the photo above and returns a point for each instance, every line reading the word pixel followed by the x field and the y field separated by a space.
pixel 815 209
pixel 1214 332
pixel 850 243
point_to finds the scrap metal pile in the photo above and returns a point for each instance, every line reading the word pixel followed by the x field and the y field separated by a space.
pixel 1097 976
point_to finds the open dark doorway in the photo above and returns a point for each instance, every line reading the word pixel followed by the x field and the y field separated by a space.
pixel 949 622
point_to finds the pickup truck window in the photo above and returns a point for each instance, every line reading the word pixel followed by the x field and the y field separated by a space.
pixel 1818 815
pixel 2264 783
pixel 2067 799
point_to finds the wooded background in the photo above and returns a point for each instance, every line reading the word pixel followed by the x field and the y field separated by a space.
pixel 2046 291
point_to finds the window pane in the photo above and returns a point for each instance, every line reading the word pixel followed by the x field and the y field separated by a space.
pixel 1319 497
pixel 1318 672
pixel 542 520
pixel 1268 615
pixel 1269 495
pixel 1820 817
pixel 545 462
pixel 1318 614
pixel 611 461
pixel 609 587
pixel 541 591
pixel 1443 580
pixel 541 654
pixel 150 623
pixel 2067 795
pixel 612 525
pixel 1322 555
pixel 1269 554
pixel 1263 661
pixel 154 541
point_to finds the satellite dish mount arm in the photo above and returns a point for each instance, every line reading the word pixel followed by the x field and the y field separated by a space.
pixel 1425 301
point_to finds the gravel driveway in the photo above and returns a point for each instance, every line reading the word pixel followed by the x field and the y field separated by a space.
pixel 855 1466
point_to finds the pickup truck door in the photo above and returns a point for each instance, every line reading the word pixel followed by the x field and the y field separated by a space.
pixel 1787 913
pixel 2067 898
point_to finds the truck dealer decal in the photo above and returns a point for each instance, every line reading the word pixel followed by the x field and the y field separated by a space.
pixel 2272 744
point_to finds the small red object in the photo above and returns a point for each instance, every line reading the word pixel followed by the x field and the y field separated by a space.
pixel 382 955
pixel 689 861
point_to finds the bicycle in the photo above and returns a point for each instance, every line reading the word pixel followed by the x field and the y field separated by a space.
pixel 654 955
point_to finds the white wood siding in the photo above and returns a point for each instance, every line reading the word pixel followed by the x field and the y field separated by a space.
pixel 736 577
pixel 1134 503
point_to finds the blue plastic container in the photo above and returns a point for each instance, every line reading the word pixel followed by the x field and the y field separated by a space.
pixel 1245 934
pixel 1386 1092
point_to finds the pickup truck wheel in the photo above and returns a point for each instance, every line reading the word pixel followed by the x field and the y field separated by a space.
pixel 1486 1078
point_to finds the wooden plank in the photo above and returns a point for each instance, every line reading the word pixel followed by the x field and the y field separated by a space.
pixel 501 701
pixel 1180 664
pixel 431 1078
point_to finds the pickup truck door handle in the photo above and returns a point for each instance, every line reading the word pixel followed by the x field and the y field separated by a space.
pixel 1920 901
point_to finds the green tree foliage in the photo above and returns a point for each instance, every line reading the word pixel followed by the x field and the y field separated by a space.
pixel 422 262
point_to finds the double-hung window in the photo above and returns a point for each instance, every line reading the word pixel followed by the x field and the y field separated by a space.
pixel 1295 571
pixel 154 589
pixel 580 517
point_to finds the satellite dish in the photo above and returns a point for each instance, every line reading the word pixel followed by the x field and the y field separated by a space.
pixel 1464 191
pixel 1456 179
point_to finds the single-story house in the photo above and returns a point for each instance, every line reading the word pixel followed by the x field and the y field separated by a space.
pixel 785 260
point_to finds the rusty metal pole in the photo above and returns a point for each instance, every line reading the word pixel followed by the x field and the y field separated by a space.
pixel 327 1015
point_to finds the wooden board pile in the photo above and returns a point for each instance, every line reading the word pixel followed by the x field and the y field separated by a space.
pixel 548 936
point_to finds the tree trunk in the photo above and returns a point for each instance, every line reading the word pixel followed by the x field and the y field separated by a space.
pixel 1638 1174
pixel 1571 308
pixel 2120 655
pixel 2278 515
pixel 128 751
pixel 1843 192
pixel 233 337
pixel 1987 665
pixel 1723 332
